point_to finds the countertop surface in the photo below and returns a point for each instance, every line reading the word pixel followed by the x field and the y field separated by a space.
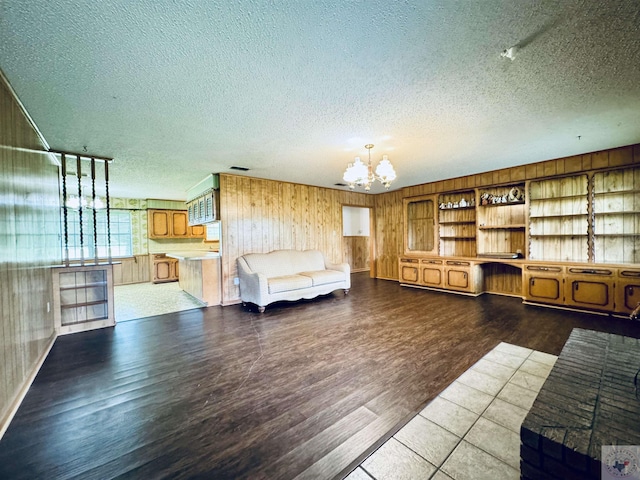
pixel 194 255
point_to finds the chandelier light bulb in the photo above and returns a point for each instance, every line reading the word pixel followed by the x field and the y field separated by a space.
pixel 361 175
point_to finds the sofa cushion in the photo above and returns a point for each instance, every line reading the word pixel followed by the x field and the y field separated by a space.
pixel 322 277
pixel 306 261
pixel 286 283
pixel 274 264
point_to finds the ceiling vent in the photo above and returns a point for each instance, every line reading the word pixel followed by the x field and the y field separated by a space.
pixel 242 169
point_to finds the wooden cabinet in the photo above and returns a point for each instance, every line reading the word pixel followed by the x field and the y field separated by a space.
pixel 543 284
pixel 172 224
pixel 558 219
pixel 462 276
pixel 627 290
pixel 457 224
pixel 616 211
pixel 165 269
pixel 409 270
pixel 590 288
pixel 420 225
pixel 501 218
pixel 432 273
pixel 203 209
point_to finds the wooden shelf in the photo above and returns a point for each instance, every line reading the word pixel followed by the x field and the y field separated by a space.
pixel 505 204
pixel 502 227
pixel 551 235
pixel 457 237
pixel 558 215
pixel 83 304
pixel 452 222
pixel 84 285
pixel 617 192
pixel 457 208
pixel 560 198
pixel 615 213
pixel 617 235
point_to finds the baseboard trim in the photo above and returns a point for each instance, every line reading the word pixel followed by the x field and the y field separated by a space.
pixel 6 420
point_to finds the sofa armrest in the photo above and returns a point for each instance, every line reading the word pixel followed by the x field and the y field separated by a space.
pixel 341 267
pixel 254 287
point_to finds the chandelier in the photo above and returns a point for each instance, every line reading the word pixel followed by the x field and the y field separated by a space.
pixel 357 173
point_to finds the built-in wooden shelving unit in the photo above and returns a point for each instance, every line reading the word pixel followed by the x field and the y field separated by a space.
pixel 457 223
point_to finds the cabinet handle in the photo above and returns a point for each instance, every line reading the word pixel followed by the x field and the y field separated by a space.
pixel 532 281
pixel 465 275
pixel 575 286
pixel 630 290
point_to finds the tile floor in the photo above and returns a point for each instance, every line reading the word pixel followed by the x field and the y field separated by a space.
pixel 472 429
pixel 141 300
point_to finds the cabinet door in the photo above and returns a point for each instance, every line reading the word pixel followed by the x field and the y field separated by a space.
pixel 159 224
pixel 543 284
pixel 162 270
pixel 197 231
pixel 409 272
pixel 544 289
pixel 627 290
pixel 591 290
pixel 175 269
pixel 179 223
pixel 432 276
pixel 457 278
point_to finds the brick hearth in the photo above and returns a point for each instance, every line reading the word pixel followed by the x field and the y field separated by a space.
pixel 588 400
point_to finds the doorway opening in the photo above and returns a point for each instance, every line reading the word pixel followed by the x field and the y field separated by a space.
pixel 357 239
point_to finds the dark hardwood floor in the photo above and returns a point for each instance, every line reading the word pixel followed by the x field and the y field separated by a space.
pixel 305 389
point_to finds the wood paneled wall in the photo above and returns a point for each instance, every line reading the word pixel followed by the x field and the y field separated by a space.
pixel 264 215
pixel 356 252
pixel 389 215
pixel 29 245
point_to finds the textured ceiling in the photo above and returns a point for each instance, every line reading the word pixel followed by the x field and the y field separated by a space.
pixel 176 89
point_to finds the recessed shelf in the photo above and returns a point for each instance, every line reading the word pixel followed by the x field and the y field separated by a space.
pixel 597 214
pixel 457 237
pixel 549 235
pixel 617 192
pixel 446 209
pixel 617 235
pixel 462 222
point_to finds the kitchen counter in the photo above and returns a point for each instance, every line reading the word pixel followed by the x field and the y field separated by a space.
pixel 200 274
pixel 194 255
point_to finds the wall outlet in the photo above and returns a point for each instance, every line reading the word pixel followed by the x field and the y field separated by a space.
pixel 236 281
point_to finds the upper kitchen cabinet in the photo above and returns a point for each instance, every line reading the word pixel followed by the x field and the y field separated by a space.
pixel 202 201
pixel 171 224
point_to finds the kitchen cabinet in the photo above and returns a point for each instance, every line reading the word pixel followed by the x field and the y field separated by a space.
pixel 172 224
pixel 203 209
pixel 165 269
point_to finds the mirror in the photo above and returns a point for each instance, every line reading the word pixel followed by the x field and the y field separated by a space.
pixel 420 228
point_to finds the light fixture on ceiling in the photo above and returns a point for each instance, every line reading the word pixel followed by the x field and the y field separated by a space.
pixel 357 173
pixel 510 52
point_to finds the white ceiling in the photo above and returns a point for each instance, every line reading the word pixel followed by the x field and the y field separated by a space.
pixel 293 89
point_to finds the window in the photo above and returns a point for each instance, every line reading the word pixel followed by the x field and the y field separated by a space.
pixel 121 244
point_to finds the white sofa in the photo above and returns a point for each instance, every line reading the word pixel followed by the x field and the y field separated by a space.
pixel 289 275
